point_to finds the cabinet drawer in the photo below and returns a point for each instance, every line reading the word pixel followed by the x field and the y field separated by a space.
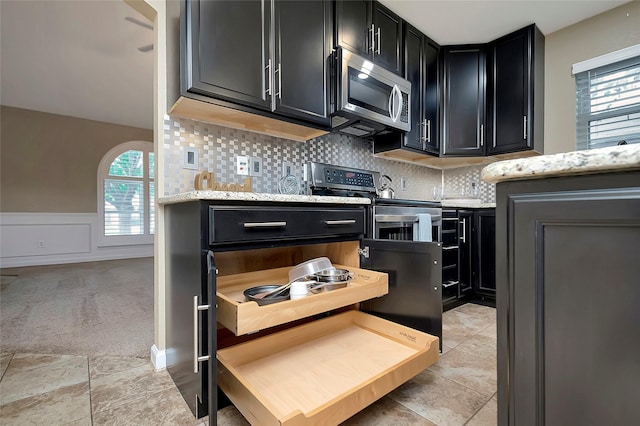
pixel 243 317
pixel 244 224
pixel 322 372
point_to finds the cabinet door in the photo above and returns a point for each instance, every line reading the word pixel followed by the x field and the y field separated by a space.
pixel 465 252
pixel 229 50
pixel 302 49
pixel 510 75
pixel 353 25
pixel 485 231
pixel 431 96
pixel 388 38
pixel 464 98
pixel 413 55
pixel 415 277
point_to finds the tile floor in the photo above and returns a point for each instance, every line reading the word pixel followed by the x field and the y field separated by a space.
pixel 49 390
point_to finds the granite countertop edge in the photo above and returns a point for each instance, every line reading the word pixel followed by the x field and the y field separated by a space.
pixel 259 197
pixel 467 205
pixel 600 160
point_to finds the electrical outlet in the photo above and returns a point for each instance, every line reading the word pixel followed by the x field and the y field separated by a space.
pixel 242 165
pixel 255 168
pixel 403 184
pixel 190 158
pixel 41 243
pixel 287 168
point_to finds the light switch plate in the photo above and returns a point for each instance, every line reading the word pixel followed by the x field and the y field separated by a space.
pixel 242 165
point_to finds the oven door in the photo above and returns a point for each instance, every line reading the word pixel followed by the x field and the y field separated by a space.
pixel 402 224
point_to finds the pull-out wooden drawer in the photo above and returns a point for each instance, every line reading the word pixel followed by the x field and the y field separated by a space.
pixel 242 317
pixel 322 372
pixel 247 223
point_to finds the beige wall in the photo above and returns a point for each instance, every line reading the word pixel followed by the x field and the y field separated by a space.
pixel 604 33
pixel 48 162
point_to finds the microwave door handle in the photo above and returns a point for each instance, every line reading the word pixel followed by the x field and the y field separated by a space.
pixel 397 101
pixel 391 95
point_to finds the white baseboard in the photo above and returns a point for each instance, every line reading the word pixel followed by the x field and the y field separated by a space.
pixel 32 239
pixel 158 358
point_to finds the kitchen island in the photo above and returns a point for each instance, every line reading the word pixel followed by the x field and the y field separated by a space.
pixel 567 268
pixel 219 244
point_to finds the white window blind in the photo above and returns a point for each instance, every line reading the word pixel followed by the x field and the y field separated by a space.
pixel 608 105
pixel 127 194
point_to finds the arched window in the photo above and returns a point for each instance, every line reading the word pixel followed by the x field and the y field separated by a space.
pixel 126 191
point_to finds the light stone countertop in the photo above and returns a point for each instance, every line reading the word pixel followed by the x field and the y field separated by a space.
pixel 259 197
pixel 601 160
pixel 461 204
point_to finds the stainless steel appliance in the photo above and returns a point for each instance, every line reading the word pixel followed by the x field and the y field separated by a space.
pixel 404 241
pixel 369 99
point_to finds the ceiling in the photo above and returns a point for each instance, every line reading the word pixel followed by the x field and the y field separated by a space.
pixel 81 58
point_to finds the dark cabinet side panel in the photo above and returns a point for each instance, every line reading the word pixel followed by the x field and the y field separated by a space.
pixel 485 278
pixel 465 252
pixel 229 50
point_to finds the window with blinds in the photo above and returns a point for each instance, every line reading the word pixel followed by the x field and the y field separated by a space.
pixel 127 193
pixel 608 105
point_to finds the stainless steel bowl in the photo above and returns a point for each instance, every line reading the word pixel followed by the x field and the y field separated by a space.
pixel 332 275
pixel 250 293
pixel 322 287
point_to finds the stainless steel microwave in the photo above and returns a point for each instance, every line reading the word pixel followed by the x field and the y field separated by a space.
pixel 369 99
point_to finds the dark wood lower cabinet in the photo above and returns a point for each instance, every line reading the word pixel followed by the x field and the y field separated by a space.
pixel 568 299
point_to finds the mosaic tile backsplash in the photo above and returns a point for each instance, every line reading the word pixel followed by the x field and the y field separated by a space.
pixel 218 147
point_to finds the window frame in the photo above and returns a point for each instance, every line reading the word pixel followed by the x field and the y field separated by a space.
pixel 584 113
pixel 103 174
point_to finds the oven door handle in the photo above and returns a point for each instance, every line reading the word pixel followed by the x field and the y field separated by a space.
pixel 387 218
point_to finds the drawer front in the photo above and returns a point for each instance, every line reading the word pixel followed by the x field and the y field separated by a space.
pixel 244 224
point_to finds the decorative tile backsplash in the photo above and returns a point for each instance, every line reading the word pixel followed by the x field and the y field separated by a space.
pixel 459 184
pixel 218 147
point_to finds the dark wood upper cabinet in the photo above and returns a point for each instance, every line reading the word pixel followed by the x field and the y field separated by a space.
pixel 269 55
pixel 371 30
pixel 228 51
pixel 515 92
pixel 303 44
pixel 464 101
pixel 421 68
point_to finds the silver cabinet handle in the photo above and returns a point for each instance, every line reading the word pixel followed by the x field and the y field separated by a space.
pixel 373 40
pixel 279 71
pixel 428 133
pixel 378 34
pixel 449 284
pixel 340 222
pixel 464 230
pixel 423 131
pixel 265 224
pixel 482 135
pixel 524 127
pixel 450 248
pixel 386 218
pixel 268 69
pixel 197 359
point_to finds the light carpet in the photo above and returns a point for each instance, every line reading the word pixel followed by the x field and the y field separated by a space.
pixel 93 308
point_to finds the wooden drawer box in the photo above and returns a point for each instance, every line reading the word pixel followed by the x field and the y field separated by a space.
pixel 242 317
pixel 323 372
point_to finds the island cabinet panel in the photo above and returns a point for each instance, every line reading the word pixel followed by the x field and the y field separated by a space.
pixel 567 297
pixel 323 372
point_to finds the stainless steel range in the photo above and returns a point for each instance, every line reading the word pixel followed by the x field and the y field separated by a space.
pixel 404 241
